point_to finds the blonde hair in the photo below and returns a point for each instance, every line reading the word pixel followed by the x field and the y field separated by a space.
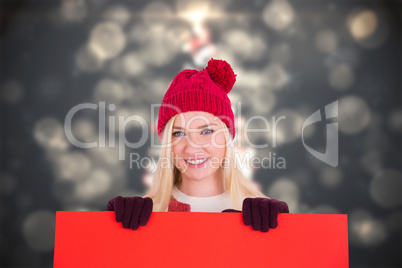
pixel 167 175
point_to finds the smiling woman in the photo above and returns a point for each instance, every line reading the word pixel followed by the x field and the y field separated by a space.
pixel 196 127
pixel 198 155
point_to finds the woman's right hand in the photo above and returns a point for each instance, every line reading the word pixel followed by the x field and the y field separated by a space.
pixel 132 212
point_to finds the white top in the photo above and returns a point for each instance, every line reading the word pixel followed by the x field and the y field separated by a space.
pixel 215 203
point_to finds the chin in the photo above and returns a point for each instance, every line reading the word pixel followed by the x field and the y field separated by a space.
pixel 197 176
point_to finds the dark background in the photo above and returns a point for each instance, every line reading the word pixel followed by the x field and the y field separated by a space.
pixel 291 57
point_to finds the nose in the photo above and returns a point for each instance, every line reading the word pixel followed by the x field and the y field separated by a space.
pixel 194 144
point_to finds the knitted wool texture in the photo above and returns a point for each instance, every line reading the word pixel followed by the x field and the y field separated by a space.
pixel 205 90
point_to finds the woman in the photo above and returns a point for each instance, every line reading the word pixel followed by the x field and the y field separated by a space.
pixel 197 169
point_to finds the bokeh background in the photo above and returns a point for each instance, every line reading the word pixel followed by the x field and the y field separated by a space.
pixel 291 58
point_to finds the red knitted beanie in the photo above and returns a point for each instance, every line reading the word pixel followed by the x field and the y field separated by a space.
pixel 204 90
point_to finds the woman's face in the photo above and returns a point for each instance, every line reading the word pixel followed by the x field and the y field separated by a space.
pixel 198 136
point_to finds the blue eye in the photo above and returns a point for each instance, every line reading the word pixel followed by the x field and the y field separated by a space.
pixel 204 132
pixel 209 130
pixel 174 134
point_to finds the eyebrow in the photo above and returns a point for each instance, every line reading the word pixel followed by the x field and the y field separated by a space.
pixel 198 127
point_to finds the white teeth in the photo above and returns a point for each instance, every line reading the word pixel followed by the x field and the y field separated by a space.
pixel 194 162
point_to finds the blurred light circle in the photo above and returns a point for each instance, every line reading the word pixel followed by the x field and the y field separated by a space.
pixel 304 112
pixel 39 229
pixel 203 55
pixel 226 53
pixel 285 190
pixel 105 156
pixel 263 102
pixel 132 93
pixel 149 163
pixel 124 114
pixel 385 188
pixel 266 156
pixel 368 28
pixel 72 166
pixel 326 41
pixel 49 133
pixel 87 60
pixel 84 130
pixel 99 180
pixel 109 91
pixel 365 230
pixel 77 208
pixel 278 14
pixel 255 131
pixel 197 11
pixel 288 127
pixel 341 77
pixel 160 46
pixel 253 46
pixel 276 76
pixel 178 34
pixel 154 153
pixel 8 184
pixel 354 115
pixel 73 10
pixel 235 100
pixel 239 124
pixel 252 81
pixel 242 156
pixel 96 184
pixel 133 64
pixel 330 177
pixel 156 12
pixel 118 14
pixel 302 177
pixel 395 120
pixel 155 89
pixel 138 32
pixel 363 24
pixel 148 177
pixel 143 113
pixel 12 92
pixel 107 40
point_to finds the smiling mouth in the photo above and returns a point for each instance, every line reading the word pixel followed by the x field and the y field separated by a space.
pixel 196 162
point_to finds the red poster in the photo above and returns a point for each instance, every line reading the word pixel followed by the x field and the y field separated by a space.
pixel 184 239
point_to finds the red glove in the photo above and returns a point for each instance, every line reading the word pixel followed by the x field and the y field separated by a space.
pixel 131 211
pixel 261 213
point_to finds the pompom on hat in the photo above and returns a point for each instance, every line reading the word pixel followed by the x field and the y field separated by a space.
pixel 205 90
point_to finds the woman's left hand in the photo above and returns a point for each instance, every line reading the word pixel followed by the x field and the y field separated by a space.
pixel 261 213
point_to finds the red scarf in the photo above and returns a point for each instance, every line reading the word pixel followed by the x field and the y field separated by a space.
pixel 176 206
